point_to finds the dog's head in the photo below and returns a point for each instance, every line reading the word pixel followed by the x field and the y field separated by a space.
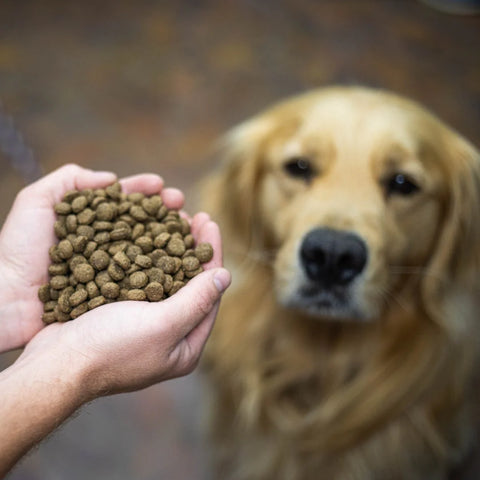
pixel 360 194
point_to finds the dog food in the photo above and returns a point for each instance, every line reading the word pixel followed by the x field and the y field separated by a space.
pixel 112 247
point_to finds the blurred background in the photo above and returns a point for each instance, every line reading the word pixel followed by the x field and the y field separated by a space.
pixel 150 86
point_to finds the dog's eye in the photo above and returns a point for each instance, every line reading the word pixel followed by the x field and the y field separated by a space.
pixel 299 167
pixel 401 184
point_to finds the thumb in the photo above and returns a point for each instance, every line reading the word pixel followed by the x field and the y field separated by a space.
pixel 195 301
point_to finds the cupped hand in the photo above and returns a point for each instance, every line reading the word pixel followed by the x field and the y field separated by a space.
pixel 28 233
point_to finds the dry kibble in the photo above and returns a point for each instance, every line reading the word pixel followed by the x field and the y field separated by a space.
pixel 96 302
pixel 204 252
pixel 154 291
pixel 110 290
pixel 136 294
pixel 78 297
pixel 138 279
pixel 99 260
pixel 111 247
pixel 84 272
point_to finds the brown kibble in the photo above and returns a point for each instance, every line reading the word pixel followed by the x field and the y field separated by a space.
pixel 79 243
pixel 76 260
pixel 102 278
pixel 54 294
pixel 193 273
pixel 81 309
pixel 86 231
pixel 134 268
pixel 161 240
pixel 121 231
pixel 152 204
pixel 50 305
pixel 138 213
pixel 138 279
pixel 110 290
pixel 136 294
pixel 58 269
pixel 60 229
pixel 99 260
pixel 44 293
pixel 118 246
pixel 175 247
pixel 114 191
pixel 133 251
pixel 145 243
pixel 86 217
pixel 143 261
pixel 79 204
pixel 167 283
pixel 78 297
pixel 204 252
pixel 71 223
pixel 96 302
pixel 105 211
pixel 97 201
pixel 92 289
pixel 190 263
pixel 65 249
pixel 124 207
pixel 122 259
pixel 189 241
pixel 173 226
pixel 135 197
pixel 156 228
pixel 180 275
pixel 84 272
pixel 70 195
pixel 49 317
pixel 154 291
pixel 63 208
pixel 54 254
pixel 59 282
pixel 155 275
pixel 102 238
pixel 102 225
pixel 62 316
pixel 116 272
pixel 89 249
pixel 138 230
pixel 167 264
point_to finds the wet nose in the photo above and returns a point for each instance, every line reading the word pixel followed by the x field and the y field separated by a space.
pixel 332 257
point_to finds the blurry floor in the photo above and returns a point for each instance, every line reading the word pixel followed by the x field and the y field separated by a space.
pixel 149 86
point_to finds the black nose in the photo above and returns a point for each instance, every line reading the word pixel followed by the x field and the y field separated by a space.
pixel 333 257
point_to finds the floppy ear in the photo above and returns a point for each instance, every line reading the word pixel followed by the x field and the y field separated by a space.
pixel 455 265
pixel 231 193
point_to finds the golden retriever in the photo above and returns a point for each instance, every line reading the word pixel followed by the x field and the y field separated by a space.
pixel 347 348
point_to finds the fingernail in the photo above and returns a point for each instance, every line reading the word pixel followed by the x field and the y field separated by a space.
pixel 222 279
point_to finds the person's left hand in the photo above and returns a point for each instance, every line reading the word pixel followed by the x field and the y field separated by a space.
pixel 28 234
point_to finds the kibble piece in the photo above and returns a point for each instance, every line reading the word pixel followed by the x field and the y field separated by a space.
pixel 58 269
pixel 167 283
pixel 79 243
pixel 156 254
pixel 162 212
pixel 54 255
pixel 78 297
pixel 50 305
pixel 88 194
pixel 143 261
pixel 65 249
pixel 60 229
pixel 190 263
pixel 189 241
pixel 101 225
pixel 86 217
pixel 102 238
pixel 96 302
pixel 145 243
pixel 134 268
pixel 79 204
pixel 124 207
pixel 155 275
pixel 63 208
pixel 180 275
pixel 173 226
pixel 138 279
pixel 167 264
pixel 152 204
pixel 54 294
pixel 138 230
pixel 110 290
pixel 76 259
pixel 49 317
pixel 92 289
pixel 116 272
pixel 79 310
pixel 89 249
pixel 154 291
pixel 84 272
pixel 204 252
pixel 99 260
pixel 105 211
pixel 193 273
pixel 136 294
pixel 44 293
pixel 97 201
pixel 122 259
pixel 59 282
pixel 102 278
pixel 115 247
pixel 135 197
pixel 138 213
pixel 114 190
pixel 133 251
pixel 86 231
pixel 156 228
pixel 71 223
pixel 161 240
pixel 176 247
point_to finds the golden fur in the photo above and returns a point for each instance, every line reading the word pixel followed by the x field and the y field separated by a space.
pixel 384 387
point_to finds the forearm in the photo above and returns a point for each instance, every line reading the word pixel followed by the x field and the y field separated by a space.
pixel 36 396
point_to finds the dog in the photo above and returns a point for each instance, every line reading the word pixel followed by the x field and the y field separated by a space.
pixel 347 347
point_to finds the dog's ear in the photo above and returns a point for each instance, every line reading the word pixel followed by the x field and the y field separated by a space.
pixel 454 268
pixel 231 193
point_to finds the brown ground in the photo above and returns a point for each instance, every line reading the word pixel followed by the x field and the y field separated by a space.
pixel 149 86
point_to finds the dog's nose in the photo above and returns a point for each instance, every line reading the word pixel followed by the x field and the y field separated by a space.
pixel 332 257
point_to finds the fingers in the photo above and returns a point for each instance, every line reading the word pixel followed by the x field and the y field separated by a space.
pixel 205 230
pixel 52 187
pixel 147 183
